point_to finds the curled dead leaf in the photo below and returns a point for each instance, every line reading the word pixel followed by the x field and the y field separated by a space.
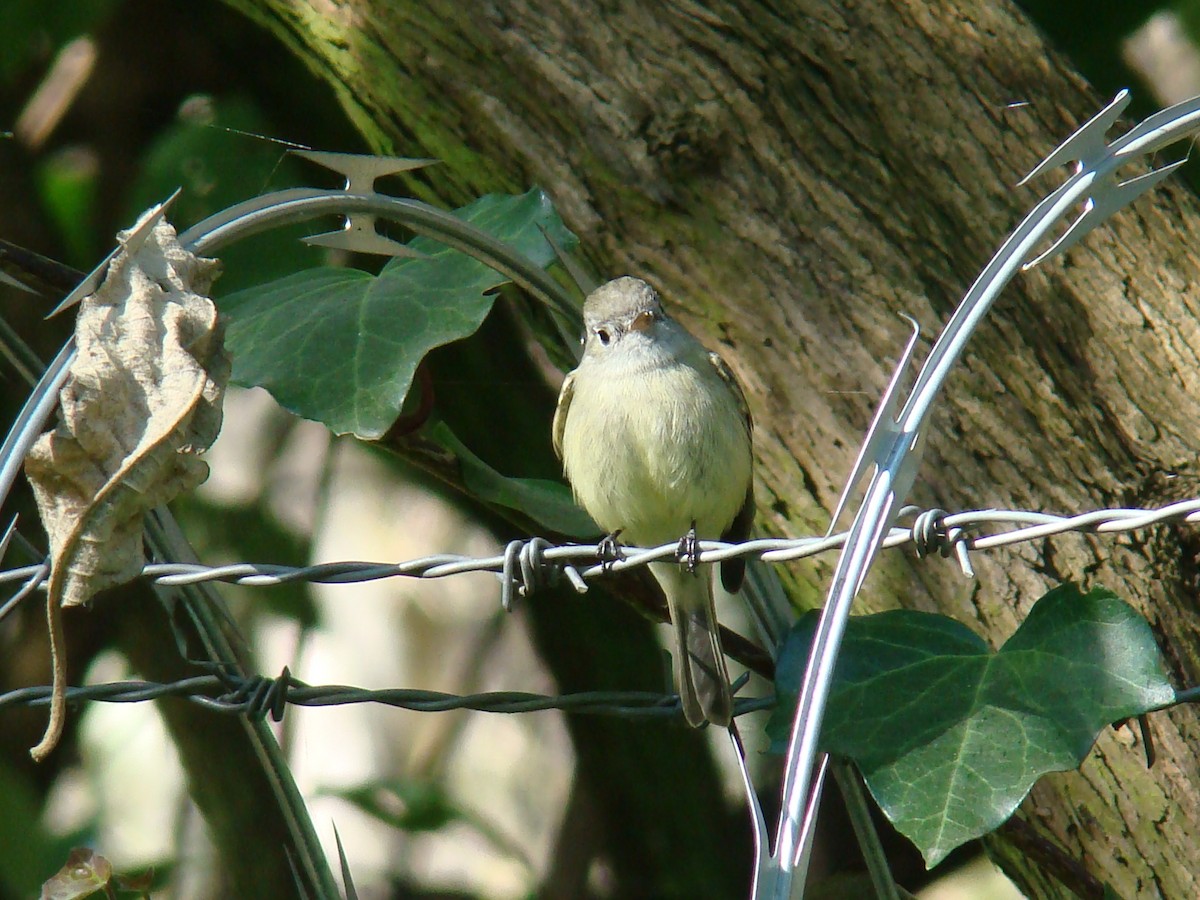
pixel 142 401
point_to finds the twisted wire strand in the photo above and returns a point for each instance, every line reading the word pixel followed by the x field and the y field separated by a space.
pixel 524 566
pixel 258 696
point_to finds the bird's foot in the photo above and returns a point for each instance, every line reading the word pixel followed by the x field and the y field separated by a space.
pixel 609 549
pixel 688 553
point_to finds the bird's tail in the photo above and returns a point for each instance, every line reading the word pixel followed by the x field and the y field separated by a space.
pixel 700 671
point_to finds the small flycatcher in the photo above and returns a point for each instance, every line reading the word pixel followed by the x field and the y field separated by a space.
pixel 654 435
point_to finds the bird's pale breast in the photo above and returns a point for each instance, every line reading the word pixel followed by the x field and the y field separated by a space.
pixel 650 449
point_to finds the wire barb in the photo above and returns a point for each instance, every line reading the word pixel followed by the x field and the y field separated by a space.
pixel 526 569
pixel 930 535
pixel 526 566
pixel 258 695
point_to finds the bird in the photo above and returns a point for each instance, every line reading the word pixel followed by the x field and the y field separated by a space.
pixel 655 438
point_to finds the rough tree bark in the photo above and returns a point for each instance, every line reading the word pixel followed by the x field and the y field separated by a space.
pixel 794 175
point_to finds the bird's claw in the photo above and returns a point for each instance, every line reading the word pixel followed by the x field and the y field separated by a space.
pixel 688 553
pixel 609 549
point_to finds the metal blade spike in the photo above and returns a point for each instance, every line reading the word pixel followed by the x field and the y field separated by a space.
pixel 582 279
pixel 85 287
pixel 129 241
pixel 9 280
pixel 7 536
pixel 1088 143
pixel 1149 179
pixel 883 431
pixel 1124 193
pixel 1109 198
pixel 361 171
pixel 1069 238
pixel 132 238
pixel 360 236
pixel 1159 130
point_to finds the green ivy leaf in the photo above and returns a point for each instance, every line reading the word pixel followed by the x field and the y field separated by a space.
pixel 949 736
pixel 549 503
pixel 340 346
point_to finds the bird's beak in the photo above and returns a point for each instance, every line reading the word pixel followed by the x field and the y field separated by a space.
pixel 642 321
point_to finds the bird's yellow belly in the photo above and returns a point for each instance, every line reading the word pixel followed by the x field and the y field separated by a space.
pixel 660 450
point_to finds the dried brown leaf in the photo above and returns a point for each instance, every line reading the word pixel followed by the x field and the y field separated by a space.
pixel 143 399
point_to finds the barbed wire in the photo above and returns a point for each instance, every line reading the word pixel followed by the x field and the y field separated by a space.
pixel 524 566
pixel 256 696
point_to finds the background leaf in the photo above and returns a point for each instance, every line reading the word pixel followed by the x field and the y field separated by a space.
pixel 548 502
pixel 32 850
pixel 340 346
pixel 212 151
pixel 949 736
pixel 30 28
pixel 68 183
pixel 414 805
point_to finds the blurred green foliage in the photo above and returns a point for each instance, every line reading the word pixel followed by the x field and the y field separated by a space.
pixel 218 151
pixel 155 119
pixel 27 851
pixel 33 29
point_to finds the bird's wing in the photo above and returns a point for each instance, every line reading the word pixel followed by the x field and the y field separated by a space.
pixel 731 381
pixel 734 570
pixel 560 412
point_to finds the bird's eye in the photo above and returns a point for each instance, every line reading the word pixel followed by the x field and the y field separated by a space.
pixel 604 336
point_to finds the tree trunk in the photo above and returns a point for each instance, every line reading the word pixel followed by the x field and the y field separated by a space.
pixel 795 175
